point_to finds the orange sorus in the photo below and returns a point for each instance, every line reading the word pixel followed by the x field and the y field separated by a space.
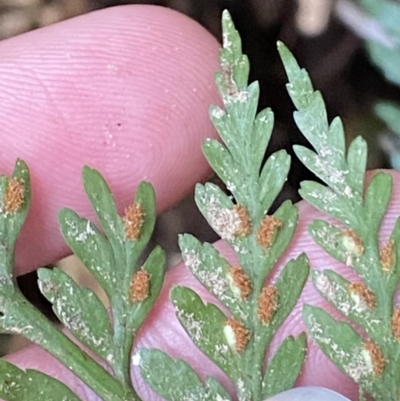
pixel 245 224
pixel 14 195
pixel 378 362
pixel 267 231
pixel 396 323
pixel 236 334
pixel 387 255
pixel 352 243
pixel 133 221
pixel 139 288
pixel 366 295
pixel 240 282
pixel 267 303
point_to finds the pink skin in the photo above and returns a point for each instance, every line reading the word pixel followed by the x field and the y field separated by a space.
pixel 126 90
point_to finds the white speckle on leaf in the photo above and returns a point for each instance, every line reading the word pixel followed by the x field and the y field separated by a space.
pixel 220 398
pixel 226 222
pixel 192 259
pixel 335 175
pixel 360 366
pixel 333 293
pixel 82 237
pixel 217 113
pixel 349 260
pixel 214 281
pixel 325 151
pixel 348 192
pixel 368 361
pixel 193 326
pixel 234 288
pixel 230 337
pixel 136 359
pixel 325 286
pixel 230 186
pixel 222 349
pixel 225 39
pixel 243 393
pixel 237 97
pixel 359 303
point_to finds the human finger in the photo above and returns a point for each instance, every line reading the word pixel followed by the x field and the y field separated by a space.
pixel 125 90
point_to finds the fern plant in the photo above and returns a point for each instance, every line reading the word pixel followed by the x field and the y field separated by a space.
pixel 370 355
pixel 257 304
pixel 256 301
pixel 112 258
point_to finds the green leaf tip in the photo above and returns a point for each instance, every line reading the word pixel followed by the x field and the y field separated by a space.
pixel 31 385
pixel 205 325
pixel 114 259
pixel 175 380
pixel 79 309
pixel 131 225
pixel 389 113
pixel 289 359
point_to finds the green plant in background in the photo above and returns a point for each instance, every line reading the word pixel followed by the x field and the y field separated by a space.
pixel 257 302
pixel 389 113
pixel 384 50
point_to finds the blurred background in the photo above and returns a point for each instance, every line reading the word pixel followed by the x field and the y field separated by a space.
pixel 351 48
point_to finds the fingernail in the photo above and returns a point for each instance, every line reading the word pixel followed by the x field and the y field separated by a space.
pixel 308 394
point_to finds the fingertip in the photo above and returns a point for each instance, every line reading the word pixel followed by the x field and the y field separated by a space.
pixel 125 90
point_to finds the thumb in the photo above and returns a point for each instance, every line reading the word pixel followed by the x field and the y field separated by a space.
pixel 125 90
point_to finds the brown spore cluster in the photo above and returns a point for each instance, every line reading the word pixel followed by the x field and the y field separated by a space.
pixel 367 295
pixel 242 335
pixel 245 224
pixel 230 84
pixel 267 231
pixel 133 221
pixel 353 243
pixel 14 195
pixel 267 304
pixel 396 323
pixel 387 256
pixel 241 280
pixel 140 284
pixel 378 361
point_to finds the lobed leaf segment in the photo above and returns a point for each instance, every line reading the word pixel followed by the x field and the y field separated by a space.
pixel 369 355
pixel 113 259
pixel 257 303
